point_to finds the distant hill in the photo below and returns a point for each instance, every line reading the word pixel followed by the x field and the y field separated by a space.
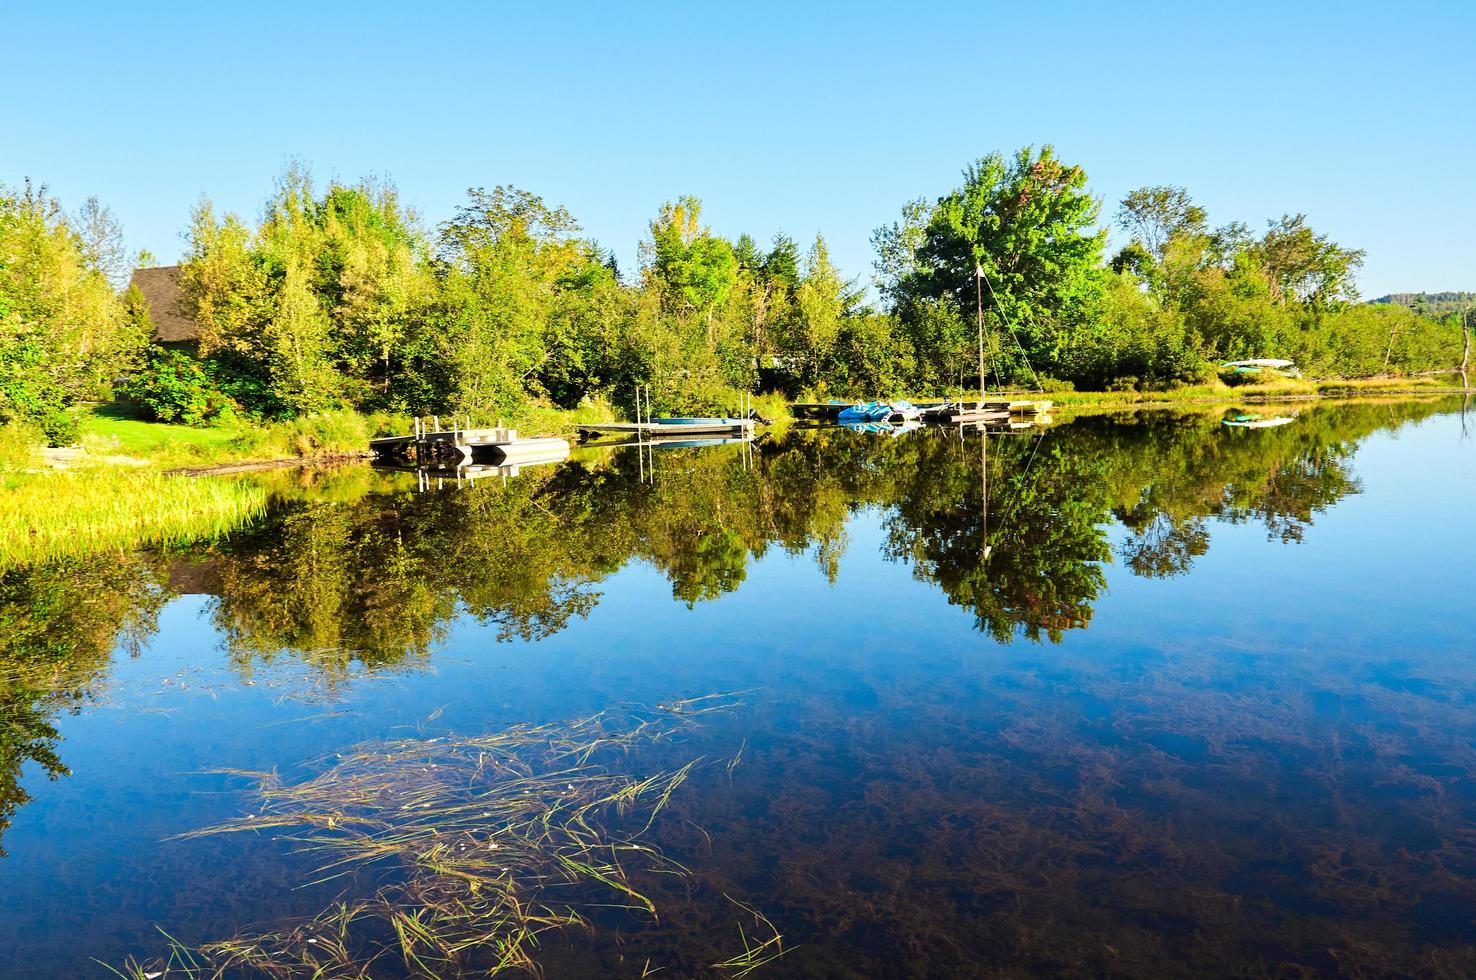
pixel 1434 304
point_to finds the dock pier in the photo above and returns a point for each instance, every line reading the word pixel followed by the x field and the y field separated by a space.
pixel 430 443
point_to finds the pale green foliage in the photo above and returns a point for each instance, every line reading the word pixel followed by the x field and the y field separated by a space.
pixel 696 269
pixel 514 266
pixel 308 311
pixel 1232 296
pixel 63 332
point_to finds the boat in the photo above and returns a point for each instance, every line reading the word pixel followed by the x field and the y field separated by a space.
pixel 699 421
pixel 1256 365
pixel 1246 420
pixel 897 411
pixel 865 412
pixel 904 411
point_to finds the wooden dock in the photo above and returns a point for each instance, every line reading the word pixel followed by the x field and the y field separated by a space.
pixel 445 477
pixel 990 412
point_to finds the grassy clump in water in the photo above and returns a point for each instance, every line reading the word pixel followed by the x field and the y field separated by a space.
pixel 487 843
pixel 46 516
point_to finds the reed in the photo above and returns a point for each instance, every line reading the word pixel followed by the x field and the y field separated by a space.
pixel 487 843
pixel 46 516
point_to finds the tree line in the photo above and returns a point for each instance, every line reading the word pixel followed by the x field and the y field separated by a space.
pixel 342 297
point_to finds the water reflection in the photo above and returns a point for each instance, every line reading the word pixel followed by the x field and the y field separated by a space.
pixel 996 816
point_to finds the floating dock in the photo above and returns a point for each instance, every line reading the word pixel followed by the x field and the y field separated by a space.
pixel 459 445
pixel 659 429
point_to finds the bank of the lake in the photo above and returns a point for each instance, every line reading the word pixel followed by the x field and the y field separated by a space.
pixel 137 483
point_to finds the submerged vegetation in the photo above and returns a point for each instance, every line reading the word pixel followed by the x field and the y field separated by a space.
pixel 488 842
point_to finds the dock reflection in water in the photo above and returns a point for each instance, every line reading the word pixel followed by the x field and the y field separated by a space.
pixel 1139 698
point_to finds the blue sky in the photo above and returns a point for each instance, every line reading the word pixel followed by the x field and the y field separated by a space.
pixel 795 117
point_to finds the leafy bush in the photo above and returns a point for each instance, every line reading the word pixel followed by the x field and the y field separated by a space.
pixel 175 387
pixel 30 395
pixel 321 433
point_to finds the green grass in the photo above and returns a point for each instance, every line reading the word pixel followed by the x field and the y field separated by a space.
pixel 56 515
pixel 112 430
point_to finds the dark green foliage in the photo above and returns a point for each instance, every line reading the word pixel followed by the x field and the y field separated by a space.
pixel 1029 225
pixel 782 263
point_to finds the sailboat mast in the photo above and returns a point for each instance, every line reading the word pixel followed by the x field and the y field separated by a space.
pixel 984 489
pixel 979 312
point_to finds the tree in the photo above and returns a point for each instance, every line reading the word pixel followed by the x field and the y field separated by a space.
pixel 782 264
pixel 516 305
pixel 697 268
pixel 63 332
pixel 1153 215
pixel 102 242
pixel 1029 224
pixel 897 246
pixel 821 303
pixel 1303 266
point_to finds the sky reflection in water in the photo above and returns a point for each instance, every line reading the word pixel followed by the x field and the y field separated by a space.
pixel 1207 708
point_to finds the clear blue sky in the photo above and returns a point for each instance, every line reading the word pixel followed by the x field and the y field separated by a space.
pixel 793 117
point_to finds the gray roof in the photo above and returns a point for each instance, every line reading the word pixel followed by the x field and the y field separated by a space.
pixel 160 287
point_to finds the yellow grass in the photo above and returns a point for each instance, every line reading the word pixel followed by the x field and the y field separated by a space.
pixel 44 516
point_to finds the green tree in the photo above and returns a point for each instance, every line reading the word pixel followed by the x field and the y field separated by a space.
pixel 822 301
pixel 1154 215
pixel 697 269
pixel 1303 266
pixel 1028 223
pixel 63 331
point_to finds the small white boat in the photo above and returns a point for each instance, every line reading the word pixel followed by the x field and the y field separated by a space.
pixel 1258 422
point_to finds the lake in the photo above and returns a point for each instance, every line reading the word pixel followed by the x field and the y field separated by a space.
pixel 1139 694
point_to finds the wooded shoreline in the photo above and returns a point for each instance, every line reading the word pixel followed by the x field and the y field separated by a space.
pixel 342 299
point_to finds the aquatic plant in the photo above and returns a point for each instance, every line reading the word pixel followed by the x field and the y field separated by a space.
pixel 482 845
pixel 58 515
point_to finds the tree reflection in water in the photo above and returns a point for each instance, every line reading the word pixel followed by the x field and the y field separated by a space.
pixel 351 570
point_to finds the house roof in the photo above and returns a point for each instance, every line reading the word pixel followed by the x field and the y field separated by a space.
pixel 160 287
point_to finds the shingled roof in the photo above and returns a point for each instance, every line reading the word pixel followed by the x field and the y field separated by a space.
pixel 160 287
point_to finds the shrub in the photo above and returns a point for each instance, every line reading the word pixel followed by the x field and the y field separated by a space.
pixel 175 387
pixel 30 395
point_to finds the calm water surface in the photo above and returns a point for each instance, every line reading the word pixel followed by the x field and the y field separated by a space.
pixel 1207 706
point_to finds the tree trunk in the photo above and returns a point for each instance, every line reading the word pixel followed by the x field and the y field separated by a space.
pixel 1465 347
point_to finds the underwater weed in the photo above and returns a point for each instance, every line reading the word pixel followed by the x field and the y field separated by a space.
pixel 483 844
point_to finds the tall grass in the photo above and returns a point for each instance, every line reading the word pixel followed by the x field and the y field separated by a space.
pixel 44 516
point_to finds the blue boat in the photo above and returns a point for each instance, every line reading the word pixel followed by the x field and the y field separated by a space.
pixel 897 411
pixel 866 412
